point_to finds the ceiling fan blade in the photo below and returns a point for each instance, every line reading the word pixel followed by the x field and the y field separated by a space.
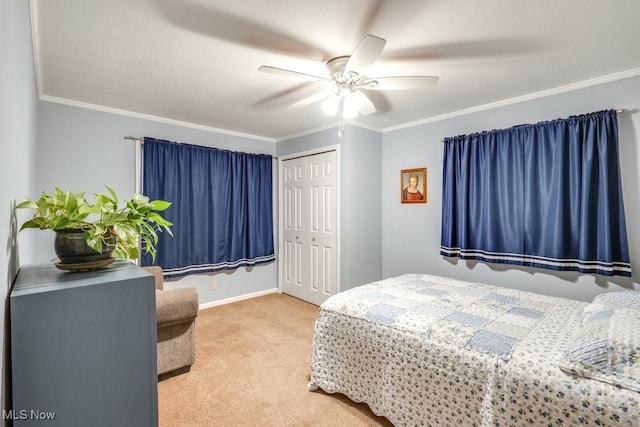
pixel 365 54
pixel 400 83
pixel 309 100
pixel 366 106
pixel 291 73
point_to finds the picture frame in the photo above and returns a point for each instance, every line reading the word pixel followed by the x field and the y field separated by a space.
pixel 413 185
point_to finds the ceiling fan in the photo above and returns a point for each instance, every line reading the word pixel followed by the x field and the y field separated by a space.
pixel 348 79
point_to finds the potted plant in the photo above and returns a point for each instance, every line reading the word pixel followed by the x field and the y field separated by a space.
pixel 96 231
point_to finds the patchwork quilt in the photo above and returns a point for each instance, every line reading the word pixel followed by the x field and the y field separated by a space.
pixel 429 350
pixel 488 319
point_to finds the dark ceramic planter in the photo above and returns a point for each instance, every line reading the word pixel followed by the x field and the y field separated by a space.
pixel 71 248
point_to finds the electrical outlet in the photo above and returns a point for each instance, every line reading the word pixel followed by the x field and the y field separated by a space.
pixel 214 285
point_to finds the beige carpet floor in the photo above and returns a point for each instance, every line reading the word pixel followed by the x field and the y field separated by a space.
pixel 252 368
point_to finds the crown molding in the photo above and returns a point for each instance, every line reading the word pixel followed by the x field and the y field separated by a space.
pixel 79 104
pixel 529 97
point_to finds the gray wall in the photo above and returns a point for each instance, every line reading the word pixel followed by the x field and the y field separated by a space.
pixel 17 139
pixel 82 150
pixel 411 233
pixel 360 198
pixel 360 201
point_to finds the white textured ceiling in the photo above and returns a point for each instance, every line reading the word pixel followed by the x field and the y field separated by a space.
pixel 196 61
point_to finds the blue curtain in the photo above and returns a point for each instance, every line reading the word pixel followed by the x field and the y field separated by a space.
pixel 222 211
pixel 546 195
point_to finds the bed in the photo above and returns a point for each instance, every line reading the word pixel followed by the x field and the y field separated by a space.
pixel 428 350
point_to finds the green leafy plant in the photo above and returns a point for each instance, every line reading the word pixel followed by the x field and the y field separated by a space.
pixel 102 221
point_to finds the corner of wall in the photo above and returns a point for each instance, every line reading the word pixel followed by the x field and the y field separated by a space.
pixel 18 114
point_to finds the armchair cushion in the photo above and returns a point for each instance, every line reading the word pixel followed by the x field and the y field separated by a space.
pixel 176 306
pixel 176 312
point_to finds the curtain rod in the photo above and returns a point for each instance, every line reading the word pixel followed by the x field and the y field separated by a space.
pixel 140 139
pixel 618 111
pixel 135 138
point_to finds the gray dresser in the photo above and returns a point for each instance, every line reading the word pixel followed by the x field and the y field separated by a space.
pixel 83 347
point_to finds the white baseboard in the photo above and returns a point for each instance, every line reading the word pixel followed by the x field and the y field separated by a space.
pixel 238 298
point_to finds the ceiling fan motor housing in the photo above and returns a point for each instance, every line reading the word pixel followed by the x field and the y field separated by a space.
pixel 347 80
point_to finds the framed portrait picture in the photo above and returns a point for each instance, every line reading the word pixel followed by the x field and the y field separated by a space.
pixel 413 185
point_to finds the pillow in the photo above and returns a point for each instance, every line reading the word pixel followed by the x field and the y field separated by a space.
pixel 607 347
pixel 628 299
pixel 611 300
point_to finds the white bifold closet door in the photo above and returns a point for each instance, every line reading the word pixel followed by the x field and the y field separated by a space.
pixel 309 260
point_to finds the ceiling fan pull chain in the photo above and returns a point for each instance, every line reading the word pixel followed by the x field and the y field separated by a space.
pixel 340 114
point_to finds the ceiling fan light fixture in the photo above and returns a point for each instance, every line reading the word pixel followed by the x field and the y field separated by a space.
pixel 350 108
pixel 352 105
pixel 330 105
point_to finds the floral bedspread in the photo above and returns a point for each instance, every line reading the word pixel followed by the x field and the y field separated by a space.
pixel 428 350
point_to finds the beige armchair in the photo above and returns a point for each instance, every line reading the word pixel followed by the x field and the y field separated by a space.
pixel 176 312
